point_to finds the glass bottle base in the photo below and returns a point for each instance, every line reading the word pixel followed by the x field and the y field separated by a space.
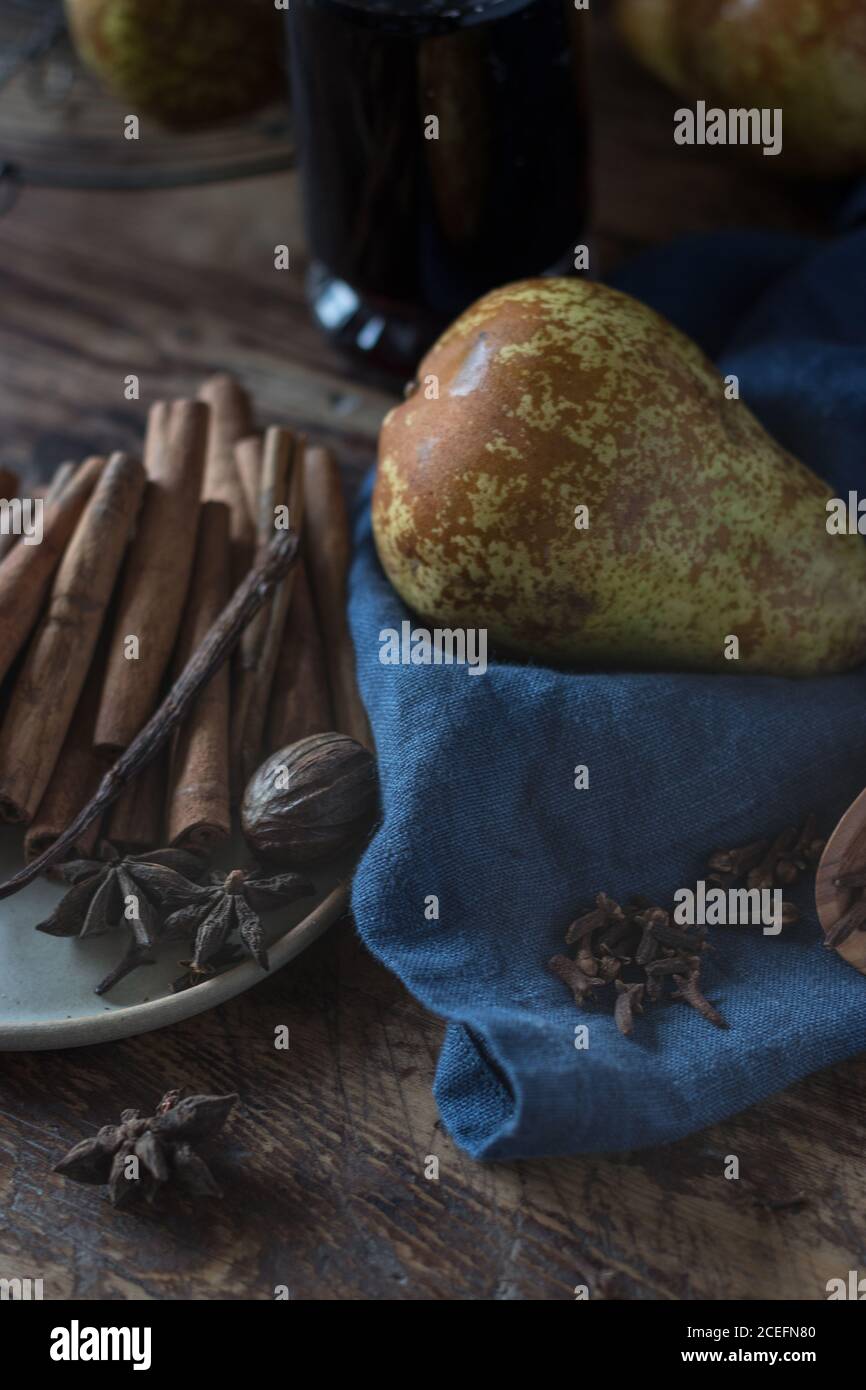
pixel 380 335
pixel 388 338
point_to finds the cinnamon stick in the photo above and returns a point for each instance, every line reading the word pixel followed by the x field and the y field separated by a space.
pixel 137 819
pixel 300 699
pixel 157 572
pixel 55 668
pixel 25 574
pixel 50 491
pixel 328 551
pixel 216 647
pixel 230 420
pixel 277 613
pixel 198 793
pixel 81 768
pixel 277 458
pixel 248 457
pixel 63 474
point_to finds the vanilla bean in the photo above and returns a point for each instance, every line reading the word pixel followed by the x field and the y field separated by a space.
pixel 247 599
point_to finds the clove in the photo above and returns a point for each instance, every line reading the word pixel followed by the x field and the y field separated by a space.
pixel 688 989
pixel 629 1000
pixel 734 863
pixel 763 875
pixel 580 984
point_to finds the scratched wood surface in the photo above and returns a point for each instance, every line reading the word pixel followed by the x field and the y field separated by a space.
pixel 324 1164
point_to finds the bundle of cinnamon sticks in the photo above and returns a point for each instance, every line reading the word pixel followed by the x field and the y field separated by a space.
pixel 137 560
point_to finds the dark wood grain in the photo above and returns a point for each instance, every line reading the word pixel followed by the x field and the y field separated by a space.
pixel 168 286
pixel 323 1165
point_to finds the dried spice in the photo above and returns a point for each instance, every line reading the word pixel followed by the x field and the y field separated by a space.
pixel 688 989
pixel 141 1155
pixel 777 863
pixel 167 893
pixel 207 659
pixel 628 1002
pixel 580 984
pixel 225 959
pixel 120 891
pixel 727 865
pixel 214 911
pixel 637 949
pixel 311 801
pixel 647 957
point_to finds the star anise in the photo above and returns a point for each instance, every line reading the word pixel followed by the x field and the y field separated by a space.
pixel 139 1156
pixel 214 911
pixel 229 956
pixel 95 902
pixel 121 891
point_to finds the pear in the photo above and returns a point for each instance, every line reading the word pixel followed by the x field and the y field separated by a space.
pixel 185 62
pixel 807 57
pixel 568 473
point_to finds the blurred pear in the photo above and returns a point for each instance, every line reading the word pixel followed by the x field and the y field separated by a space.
pixel 807 57
pixel 184 62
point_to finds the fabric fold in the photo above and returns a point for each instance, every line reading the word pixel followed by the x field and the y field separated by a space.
pixel 487 850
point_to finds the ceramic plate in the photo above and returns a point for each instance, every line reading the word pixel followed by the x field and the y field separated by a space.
pixel 46 983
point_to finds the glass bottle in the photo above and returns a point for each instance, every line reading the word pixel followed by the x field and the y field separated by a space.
pixel 443 149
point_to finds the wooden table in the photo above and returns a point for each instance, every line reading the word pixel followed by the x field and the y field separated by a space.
pixel 324 1165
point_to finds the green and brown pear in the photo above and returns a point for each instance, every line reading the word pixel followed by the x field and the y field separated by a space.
pixel 184 62
pixel 569 472
pixel 804 57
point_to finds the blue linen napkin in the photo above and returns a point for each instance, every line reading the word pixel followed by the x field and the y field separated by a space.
pixel 480 810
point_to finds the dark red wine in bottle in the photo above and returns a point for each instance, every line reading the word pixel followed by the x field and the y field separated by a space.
pixel 443 149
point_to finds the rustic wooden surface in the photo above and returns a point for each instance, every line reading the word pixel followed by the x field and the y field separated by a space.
pixel 324 1164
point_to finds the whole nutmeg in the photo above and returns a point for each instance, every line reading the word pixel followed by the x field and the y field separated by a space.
pixel 311 800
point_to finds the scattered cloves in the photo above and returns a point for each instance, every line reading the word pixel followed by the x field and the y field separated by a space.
pixel 638 948
pixel 737 862
pixel 810 846
pixel 609 967
pixel 764 874
pixel 672 965
pixel 767 864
